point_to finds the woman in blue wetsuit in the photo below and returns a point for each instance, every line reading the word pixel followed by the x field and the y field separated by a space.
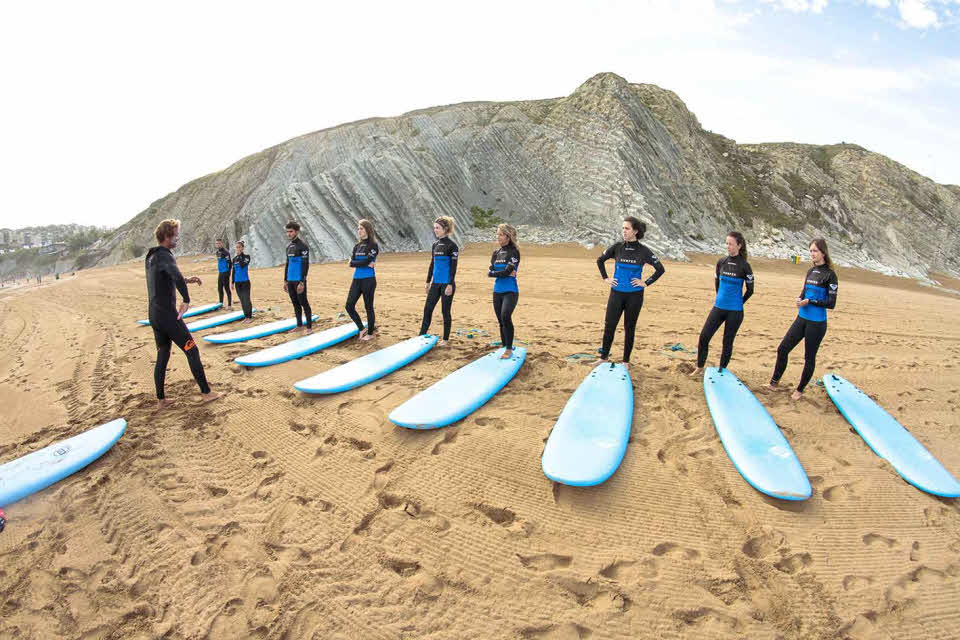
pixel 241 280
pixel 733 274
pixel 441 274
pixel 819 294
pixel 503 266
pixel 626 285
pixel 364 283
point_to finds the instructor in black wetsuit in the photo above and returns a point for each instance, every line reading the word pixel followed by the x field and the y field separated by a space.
pixel 163 281
pixel 626 285
pixel 295 275
pixel 733 273
pixel 364 283
pixel 241 281
pixel 224 268
pixel 504 264
pixel 442 272
pixel 819 293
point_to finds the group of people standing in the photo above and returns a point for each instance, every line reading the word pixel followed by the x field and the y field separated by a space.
pixel 733 282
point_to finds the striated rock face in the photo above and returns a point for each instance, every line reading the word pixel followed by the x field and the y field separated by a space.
pixel 564 169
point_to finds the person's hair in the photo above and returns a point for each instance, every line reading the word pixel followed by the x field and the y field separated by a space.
pixel 822 245
pixel 220 240
pixel 736 235
pixel 446 222
pixel 368 226
pixel 166 229
pixel 240 242
pixel 508 230
pixel 638 226
pixel 293 225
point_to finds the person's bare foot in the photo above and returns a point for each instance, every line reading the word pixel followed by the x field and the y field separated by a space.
pixel 209 397
pixel 773 386
pixel 796 395
pixel 696 372
pixel 598 362
pixel 442 343
pixel 626 365
pixel 308 331
pixel 367 336
pixel 363 332
pixel 164 403
pixel 507 354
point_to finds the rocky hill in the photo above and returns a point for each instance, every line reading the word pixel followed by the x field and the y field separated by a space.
pixel 564 169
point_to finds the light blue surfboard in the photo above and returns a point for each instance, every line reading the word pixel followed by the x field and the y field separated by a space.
pixel 216 321
pixel 38 470
pixel 460 393
pixel 258 331
pixel 752 439
pixel 298 347
pixel 890 440
pixel 367 368
pixel 590 437
pixel 196 311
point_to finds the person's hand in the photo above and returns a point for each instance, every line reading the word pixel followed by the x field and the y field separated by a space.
pixel 183 309
pixel 426 288
pixel 300 288
pixel 802 302
pixel 448 291
pixel 610 282
pixel 513 274
pixel 285 290
pixel 637 282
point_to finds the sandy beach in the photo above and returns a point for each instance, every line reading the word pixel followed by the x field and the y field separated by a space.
pixel 272 514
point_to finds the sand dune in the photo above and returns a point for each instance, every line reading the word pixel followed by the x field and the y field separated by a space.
pixel 271 514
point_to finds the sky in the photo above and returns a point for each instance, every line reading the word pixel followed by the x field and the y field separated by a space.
pixel 112 105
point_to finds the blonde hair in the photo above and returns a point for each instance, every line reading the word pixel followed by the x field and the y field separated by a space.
pixel 166 229
pixel 508 230
pixel 446 222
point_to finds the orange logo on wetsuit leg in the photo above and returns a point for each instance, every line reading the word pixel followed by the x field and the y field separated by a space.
pixel 190 345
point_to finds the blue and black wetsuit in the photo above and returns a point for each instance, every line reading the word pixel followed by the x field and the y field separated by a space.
pixel 504 264
pixel 295 274
pixel 224 266
pixel 163 281
pixel 820 288
pixel 626 298
pixel 442 272
pixel 364 283
pixel 241 281
pixel 733 275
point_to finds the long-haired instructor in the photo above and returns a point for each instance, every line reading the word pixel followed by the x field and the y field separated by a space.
pixel 163 281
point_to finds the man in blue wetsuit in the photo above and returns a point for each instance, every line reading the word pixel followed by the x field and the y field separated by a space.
pixel 224 267
pixel 295 275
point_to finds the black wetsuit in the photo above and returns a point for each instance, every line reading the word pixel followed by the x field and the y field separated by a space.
pixel 504 263
pixel 163 281
pixel 820 288
pixel 626 299
pixel 442 271
pixel 295 274
pixel 224 268
pixel 241 281
pixel 733 273
pixel 364 283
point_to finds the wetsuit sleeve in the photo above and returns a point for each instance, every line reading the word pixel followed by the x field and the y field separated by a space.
pixel 430 267
pixel 831 300
pixel 658 269
pixel 232 274
pixel 371 257
pixel 169 265
pixel 748 278
pixel 490 271
pixel 454 254
pixel 606 255
pixel 716 277
pixel 286 266
pixel 512 263
pixel 304 262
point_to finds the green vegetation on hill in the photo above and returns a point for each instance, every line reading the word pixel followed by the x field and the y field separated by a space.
pixel 484 218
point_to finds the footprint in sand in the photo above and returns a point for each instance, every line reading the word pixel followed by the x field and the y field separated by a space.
pixel 763 545
pixel 673 550
pixel 793 564
pixel 711 619
pixel 565 631
pixel 856 583
pixel 545 561
pixel 875 539
pixel 449 436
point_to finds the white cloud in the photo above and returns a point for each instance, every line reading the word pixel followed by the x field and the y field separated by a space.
pixel 881 4
pixel 800 6
pixel 918 14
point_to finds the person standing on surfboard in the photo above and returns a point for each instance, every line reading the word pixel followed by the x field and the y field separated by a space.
pixel 295 275
pixel 163 281
pixel 224 267
pixel 819 293
pixel 504 264
pixel 626 285
pixel 241 280
pixel 442 271
pixel 733 273
pixel 364 283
